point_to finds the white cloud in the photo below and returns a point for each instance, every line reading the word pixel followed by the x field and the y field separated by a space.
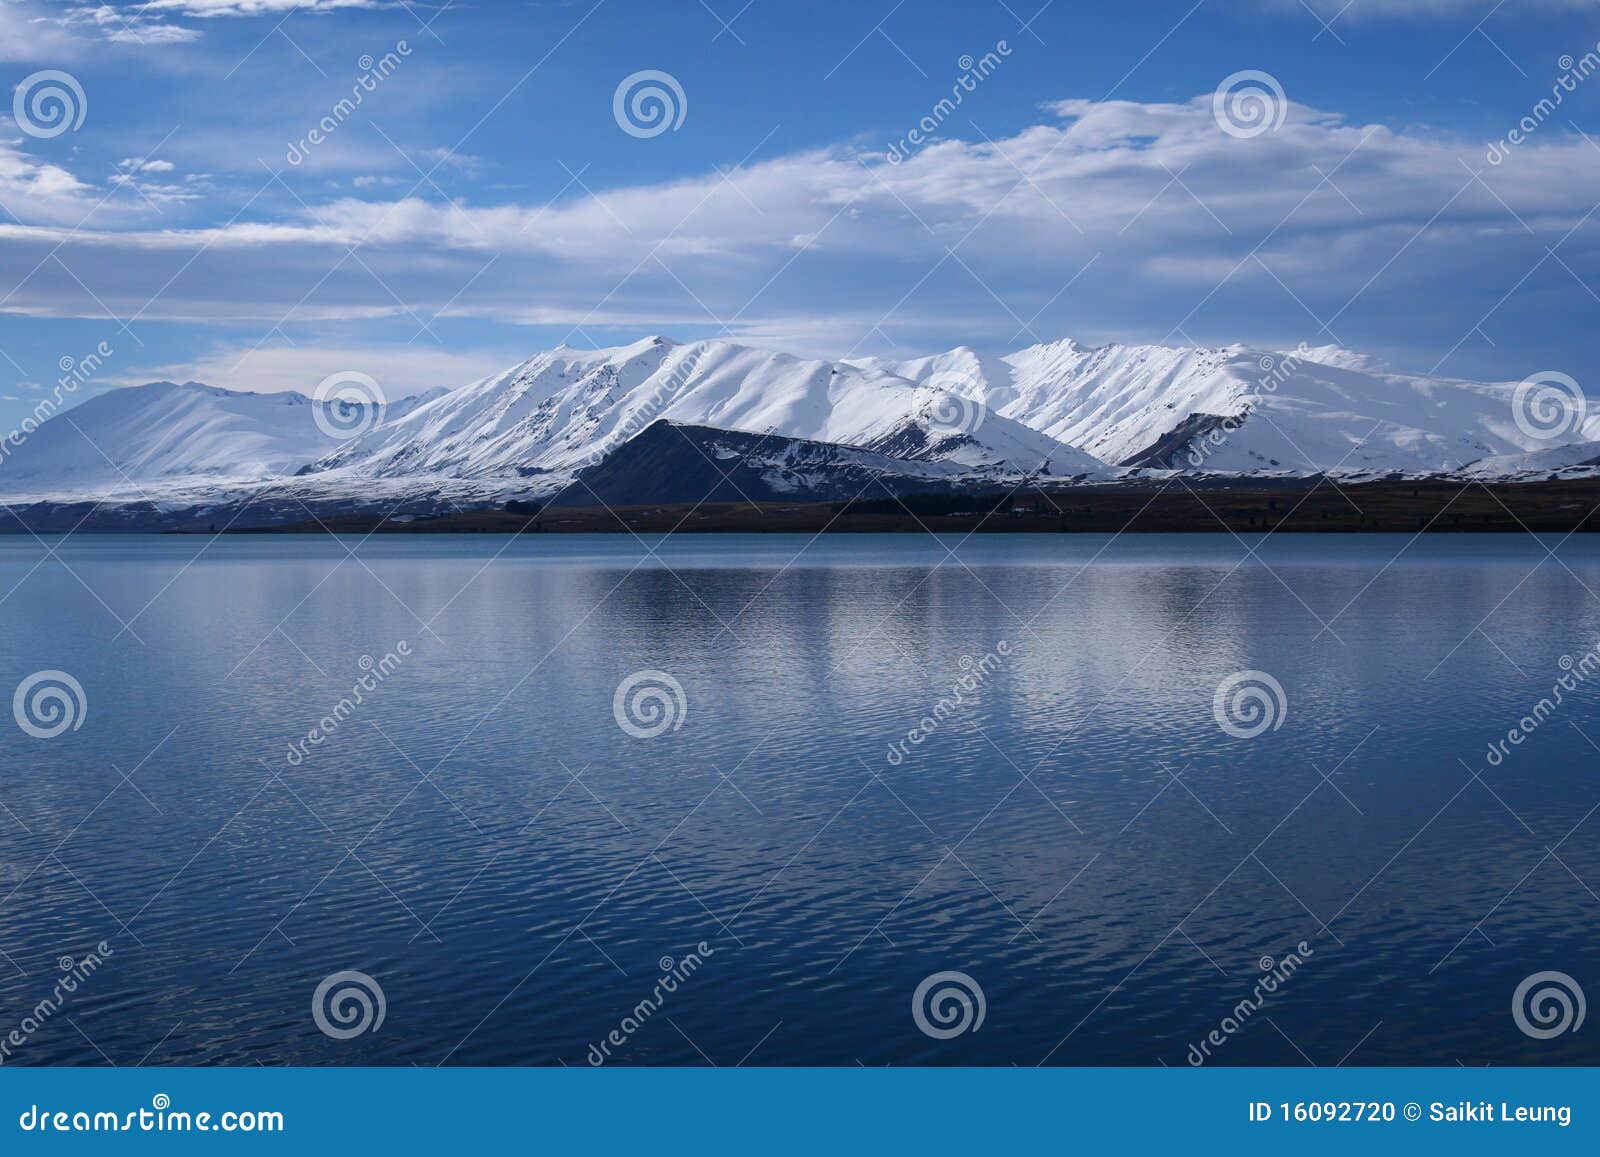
pixel 1169 226
pixel 450 158
pixel 146 187
pixel 38 192
pixel 401 370
pixel 150 22
pixel 149 33
pixel 26 33
pixel 1344 9
pixel 131 26
pixel 218 8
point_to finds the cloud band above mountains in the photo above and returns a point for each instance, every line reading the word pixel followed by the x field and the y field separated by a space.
pixel 1102 217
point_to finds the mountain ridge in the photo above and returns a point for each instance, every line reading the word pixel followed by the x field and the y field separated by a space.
pixel 1059 409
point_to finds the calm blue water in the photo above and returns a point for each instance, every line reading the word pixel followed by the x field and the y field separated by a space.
pixel 1079 836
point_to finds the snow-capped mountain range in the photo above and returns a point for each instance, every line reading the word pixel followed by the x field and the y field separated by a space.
pixel 1307 411
pixel 1058 411
pixel 565 409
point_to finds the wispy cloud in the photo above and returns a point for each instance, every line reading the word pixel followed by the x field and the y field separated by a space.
pixel 132 26
pixel 1475 9
pixel 30 32
pixel 220 8
pixel 1139 216
pixel 38 192
pixel 150 22
pixel 275 367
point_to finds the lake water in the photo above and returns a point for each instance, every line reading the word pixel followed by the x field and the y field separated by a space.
pixel 1075 831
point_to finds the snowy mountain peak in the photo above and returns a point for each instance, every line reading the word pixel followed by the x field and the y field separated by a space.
pixel 1062 346
pixel 561 410
pixel 1233 409
pixel 1345 359
pixel 1058 408
pixel 126 440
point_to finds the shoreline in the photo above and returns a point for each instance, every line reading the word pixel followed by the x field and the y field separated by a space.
pixel 1315 508
pixel 1295 506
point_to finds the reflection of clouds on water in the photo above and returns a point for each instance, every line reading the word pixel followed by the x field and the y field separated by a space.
pixel 1093 802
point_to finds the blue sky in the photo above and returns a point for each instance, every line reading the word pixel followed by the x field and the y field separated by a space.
pixel 483 201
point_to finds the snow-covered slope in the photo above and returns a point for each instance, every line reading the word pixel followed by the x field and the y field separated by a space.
pixel 1237 410
pixel 564 409
pixel 126 440
pixel 1060 409
pixel 1578 459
